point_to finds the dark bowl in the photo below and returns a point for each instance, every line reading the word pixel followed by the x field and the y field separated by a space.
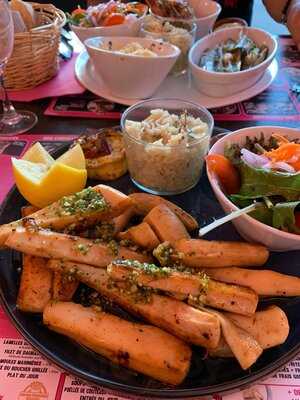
pixel 207 376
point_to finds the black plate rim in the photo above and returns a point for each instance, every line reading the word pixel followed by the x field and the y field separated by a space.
pixel 225 388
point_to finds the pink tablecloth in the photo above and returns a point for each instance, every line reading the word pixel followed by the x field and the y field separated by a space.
pixel 64 83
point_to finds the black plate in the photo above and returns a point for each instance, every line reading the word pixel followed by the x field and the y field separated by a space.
pixel 207 376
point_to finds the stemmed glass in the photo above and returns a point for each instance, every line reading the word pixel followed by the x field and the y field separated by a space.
pixel 11 122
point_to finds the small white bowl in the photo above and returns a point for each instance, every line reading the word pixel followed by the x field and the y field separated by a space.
pixel 131 76
pixel 127 29
pixel 207 12
pixel 222 84
pixel 248 227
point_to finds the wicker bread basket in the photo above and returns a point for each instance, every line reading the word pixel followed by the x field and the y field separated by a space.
pixel 35 54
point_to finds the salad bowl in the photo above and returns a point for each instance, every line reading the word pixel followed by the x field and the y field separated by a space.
pixel 222 84
pixel 248 227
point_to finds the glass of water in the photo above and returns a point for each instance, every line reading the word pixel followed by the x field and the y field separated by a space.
pixel 11 121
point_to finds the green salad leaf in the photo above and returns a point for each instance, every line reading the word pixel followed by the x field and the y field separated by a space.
pixel 284 216
pixel 257 183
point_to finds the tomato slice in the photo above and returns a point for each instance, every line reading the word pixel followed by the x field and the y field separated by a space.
pixel 297 219
pixel 225 171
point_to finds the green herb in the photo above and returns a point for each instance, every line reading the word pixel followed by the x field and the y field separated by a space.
pixel 86 201
pixel 257 183
pixel 82 248
pixel 163 253
pixel 114 247
pixel 147 268
pixel 284 216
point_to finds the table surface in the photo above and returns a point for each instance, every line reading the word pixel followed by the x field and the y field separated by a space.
pixel 288 58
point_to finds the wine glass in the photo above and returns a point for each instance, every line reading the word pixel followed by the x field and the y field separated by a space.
pixel 11 121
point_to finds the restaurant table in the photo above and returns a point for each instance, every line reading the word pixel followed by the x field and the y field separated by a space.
pixel 24 374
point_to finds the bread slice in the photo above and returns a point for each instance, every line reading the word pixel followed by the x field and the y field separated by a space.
pixel 26 11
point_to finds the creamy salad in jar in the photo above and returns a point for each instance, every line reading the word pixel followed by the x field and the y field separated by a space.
pixel 177 32
pixel 165 151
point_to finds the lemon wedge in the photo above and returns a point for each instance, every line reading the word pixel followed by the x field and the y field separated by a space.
pixel 41 185
pixel 38 154
pixel 74 158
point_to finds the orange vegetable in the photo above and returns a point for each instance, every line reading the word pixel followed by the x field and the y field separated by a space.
pixel 225 171
pixel 114 19
pixel 287 152
pixel 78 11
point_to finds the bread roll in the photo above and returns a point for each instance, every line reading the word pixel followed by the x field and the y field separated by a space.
pixel 26 11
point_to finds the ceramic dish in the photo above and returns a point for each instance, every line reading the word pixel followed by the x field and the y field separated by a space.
pixel 248 227
pixel 222 84
pixel 208 376
pixel 129 75
pixel 176 87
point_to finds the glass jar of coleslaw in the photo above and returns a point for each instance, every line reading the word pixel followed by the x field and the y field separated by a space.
pixel 166 141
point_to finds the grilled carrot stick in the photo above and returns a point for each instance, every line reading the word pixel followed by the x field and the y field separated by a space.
pixel 140 347
pixel 49 244
pixel 166 225
pixel 269 327
pixel 35 288
pixel 100 203
pixel 200 289
pixel 142 235
pixel 277 284
pixel 192 325
pixel 63 289
pixel 244 347
pixel 144 203
pixel 120 222
pixel 198 253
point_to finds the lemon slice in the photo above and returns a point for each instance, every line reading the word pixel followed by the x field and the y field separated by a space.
pixel 41 185
pixel 38 154
pixel 74 158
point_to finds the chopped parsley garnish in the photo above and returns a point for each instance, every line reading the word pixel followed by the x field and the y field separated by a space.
pixel 86 201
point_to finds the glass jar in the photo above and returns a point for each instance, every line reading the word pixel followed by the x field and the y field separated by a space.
pixel 177 32
pixel 165 169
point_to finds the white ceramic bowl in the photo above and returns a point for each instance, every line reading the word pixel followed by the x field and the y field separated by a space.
pixel 131 29
pixel 222 84
pixel 249 228
pixel 206 12
pixel 133 77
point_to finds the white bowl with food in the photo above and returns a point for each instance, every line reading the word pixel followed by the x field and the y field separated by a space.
pixel 256 175
pixel 108 19
pixel 206 14
pixel 166 141
pixel 131 67
pixel 231 60
pixel 203 13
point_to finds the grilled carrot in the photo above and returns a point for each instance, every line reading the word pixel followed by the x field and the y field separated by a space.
pixel 63 288
pixel 49 244
pixel 35 288
pixel 244 347
pixel 166 225
pixel 192 325
pixel 277 284
pixel 201 290
pixel 144 203
pixel 270 327
pixel 198 253
pixel 100 203
pixel 142 235
pixel 140 347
